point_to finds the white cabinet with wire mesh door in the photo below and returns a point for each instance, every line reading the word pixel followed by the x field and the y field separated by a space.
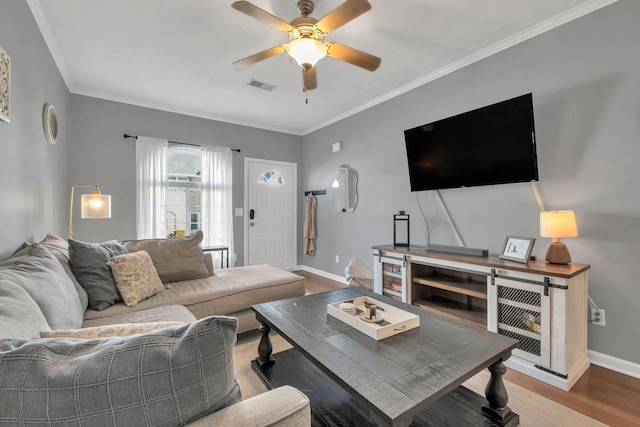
pixel 542 305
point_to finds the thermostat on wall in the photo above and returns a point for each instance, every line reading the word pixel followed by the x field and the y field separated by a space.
pixel 337 146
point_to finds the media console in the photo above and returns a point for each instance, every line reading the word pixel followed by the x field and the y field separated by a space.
pixel 543 306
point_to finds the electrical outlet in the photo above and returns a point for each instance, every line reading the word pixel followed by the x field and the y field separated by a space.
pixel 597 316
pixel 337 259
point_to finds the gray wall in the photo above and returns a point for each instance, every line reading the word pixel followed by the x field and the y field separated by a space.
pixel 585 77
pixel 33 173
pixel 98 154
pixel 585 80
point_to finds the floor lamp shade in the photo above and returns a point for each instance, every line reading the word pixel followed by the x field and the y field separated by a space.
pixel 558 224
pixel 94 205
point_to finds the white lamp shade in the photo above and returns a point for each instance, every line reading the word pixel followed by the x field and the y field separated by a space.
pixel 95 206
pixel 306 51
pixel 558 224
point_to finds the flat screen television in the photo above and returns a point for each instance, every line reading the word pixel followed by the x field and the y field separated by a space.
pixel 491 145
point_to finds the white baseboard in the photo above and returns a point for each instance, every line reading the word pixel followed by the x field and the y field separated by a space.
pixel 599 359
pixel 331 276
pixel 613 363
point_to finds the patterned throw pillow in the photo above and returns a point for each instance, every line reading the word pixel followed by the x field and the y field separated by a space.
pixel 136 277
pixel 119 330
pixel 166 377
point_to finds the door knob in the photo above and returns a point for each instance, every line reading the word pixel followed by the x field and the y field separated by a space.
pixel 252 214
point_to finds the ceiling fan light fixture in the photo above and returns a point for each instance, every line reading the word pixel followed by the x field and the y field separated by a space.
pixel 306 51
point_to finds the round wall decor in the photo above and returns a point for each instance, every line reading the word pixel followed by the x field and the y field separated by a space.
pixel 50 123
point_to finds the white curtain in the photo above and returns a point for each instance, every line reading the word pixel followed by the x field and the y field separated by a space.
pixel 151 183
pixel 217 215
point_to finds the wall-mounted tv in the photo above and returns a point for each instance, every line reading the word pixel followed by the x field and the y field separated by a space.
pixel 491 145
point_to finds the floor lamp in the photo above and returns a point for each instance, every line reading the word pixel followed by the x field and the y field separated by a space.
pixel 94 205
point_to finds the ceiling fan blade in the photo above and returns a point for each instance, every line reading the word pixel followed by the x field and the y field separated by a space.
pixel 352 56
pixel 344 13
pixel 261 15
pixel 309 78
pixel 250 60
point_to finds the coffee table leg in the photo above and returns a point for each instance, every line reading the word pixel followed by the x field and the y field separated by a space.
pixel 496 407
pixel 264 348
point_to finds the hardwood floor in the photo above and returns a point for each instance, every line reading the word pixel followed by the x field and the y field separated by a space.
pixel 601 394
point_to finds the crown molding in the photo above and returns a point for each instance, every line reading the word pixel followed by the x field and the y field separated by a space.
pixel 549 24
pixel 179 110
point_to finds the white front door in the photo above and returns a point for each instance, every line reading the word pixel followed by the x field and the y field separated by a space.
pixel 270 213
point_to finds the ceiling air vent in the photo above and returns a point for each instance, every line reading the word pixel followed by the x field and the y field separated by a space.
pixel 261 85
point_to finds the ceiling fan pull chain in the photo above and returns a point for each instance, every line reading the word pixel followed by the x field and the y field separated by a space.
pixel 305 75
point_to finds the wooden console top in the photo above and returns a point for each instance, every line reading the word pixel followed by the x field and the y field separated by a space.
pixel 535 266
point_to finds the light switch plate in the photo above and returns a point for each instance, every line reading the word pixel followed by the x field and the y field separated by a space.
pixel 337 146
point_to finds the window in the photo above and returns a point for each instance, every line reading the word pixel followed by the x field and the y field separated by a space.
pixel 183 189
pixel 183 197
pixel 271 177
pixel 194 221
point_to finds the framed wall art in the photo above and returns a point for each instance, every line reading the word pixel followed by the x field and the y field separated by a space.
pixel 5 85
pixel 517 248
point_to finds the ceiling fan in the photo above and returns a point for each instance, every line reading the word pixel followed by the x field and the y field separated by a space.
pixel 306 36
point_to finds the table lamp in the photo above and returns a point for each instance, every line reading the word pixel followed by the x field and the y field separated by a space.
pixel 94 205
pixel 558 224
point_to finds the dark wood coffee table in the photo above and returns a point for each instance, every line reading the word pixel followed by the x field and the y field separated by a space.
pixel 413 377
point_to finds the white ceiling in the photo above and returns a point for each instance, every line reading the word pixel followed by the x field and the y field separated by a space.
pixel 176 55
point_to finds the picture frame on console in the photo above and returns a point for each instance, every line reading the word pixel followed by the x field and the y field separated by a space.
pixel 517 248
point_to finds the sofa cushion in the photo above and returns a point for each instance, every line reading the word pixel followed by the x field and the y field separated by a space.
pixel 136 277
pixel 89 263
pixel 59 248
pixel 118 330
pixel 165 377
pixel 37 272
pixel 178 258
pixel 284 406
pixel 20 316
pixel 163 313
pixel 229 291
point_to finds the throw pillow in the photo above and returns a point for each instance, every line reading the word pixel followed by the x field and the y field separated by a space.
pixel 166 377
pixel 136 277
pixel 20 316
pixel 176 259
pixel 36 271
pixel 59 248
pixel 52 241
pixel 89 263
pixel 119 330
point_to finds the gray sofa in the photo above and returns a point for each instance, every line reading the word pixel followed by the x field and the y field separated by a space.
pixel 46 311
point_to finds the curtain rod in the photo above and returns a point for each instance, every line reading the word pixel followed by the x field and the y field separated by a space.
pixel 175 142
